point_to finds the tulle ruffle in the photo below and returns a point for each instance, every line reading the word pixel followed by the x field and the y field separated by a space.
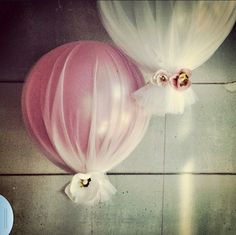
pixel 156 100
pixel 90 188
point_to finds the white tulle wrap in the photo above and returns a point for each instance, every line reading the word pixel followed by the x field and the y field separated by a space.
pixel 99 189
pixel 167 35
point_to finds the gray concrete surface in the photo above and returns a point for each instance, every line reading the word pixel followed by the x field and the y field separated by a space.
pixel 202 204
pixel 155 197
pixel 205 135
pixel 40 207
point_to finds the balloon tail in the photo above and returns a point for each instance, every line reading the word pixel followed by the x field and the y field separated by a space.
pixel 90 188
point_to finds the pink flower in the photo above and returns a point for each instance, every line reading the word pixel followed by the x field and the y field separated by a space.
pixel 181 80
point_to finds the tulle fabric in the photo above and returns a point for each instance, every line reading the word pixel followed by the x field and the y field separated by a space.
pixel 78 107
pixel 168 35
pixel 160 101
pixel 99 190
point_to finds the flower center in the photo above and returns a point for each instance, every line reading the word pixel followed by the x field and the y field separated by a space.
pixel 163 78
pixel 85 182
pixel 183 78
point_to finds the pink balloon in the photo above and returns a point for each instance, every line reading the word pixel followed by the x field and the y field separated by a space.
pixel 77 106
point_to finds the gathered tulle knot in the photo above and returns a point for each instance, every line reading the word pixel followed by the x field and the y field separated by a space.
pixel 85 179
pixel 90 188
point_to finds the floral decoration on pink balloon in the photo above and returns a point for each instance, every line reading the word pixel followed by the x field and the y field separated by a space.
pixel 77 106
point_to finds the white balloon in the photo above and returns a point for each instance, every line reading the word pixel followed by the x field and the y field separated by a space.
pixel 168 35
